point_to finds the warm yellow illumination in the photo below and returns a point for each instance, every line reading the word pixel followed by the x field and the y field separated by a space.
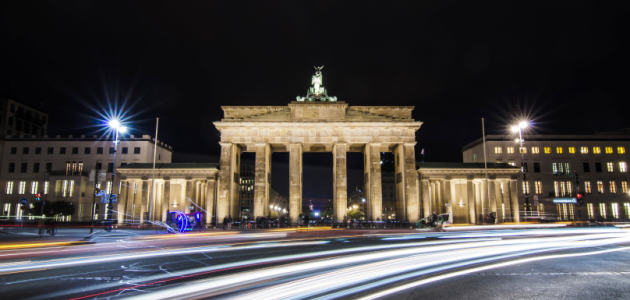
pixel 584 150
pixel 515 129
pixel 535 150
pixel 547 150
pixel 559 150
pixel 572 150
pixel 597 150
pixel 621 150
pixel 609 150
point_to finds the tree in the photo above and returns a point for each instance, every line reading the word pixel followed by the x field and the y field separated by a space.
pixel 62 208
pixel 354 214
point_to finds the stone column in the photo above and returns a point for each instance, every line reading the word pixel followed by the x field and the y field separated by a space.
pixel 440 205
pixel 470 190
pixel 262 173
pixel 412 198
pixel 499 201
pixel 144 202
pixel 374 185
pixel 229 180
pixel 295 181
pixel 492 194
pixel 426 197
pixel 130 201
pixel 514 201
pixel 400 182
pixel 189 188
pixel 166 200
pixel 448 198
pixel 434 195
pixel 122 201
pixel 340 181
pixel 210 192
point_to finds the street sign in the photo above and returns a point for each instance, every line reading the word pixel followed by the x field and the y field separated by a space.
pixel 23 207
pixel 565 200
pixel 100 194
pixel 23 201
pixel 535 197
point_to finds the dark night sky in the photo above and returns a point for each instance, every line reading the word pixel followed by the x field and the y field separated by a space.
pixel 455 61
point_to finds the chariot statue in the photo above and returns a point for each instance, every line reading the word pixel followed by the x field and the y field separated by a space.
pixel 317 92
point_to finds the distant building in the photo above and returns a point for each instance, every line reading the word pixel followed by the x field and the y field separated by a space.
pixel 19 119
pixel 551 161
pixel 59 168
pixel 246 194
pixel 388 190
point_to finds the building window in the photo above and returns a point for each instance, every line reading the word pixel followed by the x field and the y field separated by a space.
pixel 110 167
pixel 554 167
pixel 610 166
pixel 591 211
pixel 474 157
pixel 9 187
pixel 538 187
pixel 24 168
pixel 25 150
pixel 537 167
pixel 556 188
pixel 125 150
pixel 111 150
pixel 136 150
pixel 584 150
pixel 46 185
pixel 569 189
pixel 600 187
pixel 524 150
pixel 48 167
pixel 99 150
pixel 34 186
pixel 597 150
pixel 498 150
pixel 572 150
pixel 75 150
pixel 525 187
pixel 68 168
pixel 626 207
pixel 535 150
pixel 510 150
pixel 22 187
pixel 598 167
pixel 64 189
pixel 71 188
pixel 51 150
pixel 587 187
pixel 109 187
pixel 35 167
pixel 586 166
pixel 13 150
pixel 38 150
pixel 547 150
pixel 559 150
pixel 624 187
pixel 613 187
pixel 99 166
pixel 62 150
pixel 602 209
pixel 609 150
pixel 621 150
pixel 623 167
pixel 87 150
pixel 11 167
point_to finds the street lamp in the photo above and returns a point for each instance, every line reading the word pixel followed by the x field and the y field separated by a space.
pixel 519 128
pixel 118 128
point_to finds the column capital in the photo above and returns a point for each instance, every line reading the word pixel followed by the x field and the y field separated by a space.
pixel 261 144
pixel 374 144
pixel 224 144
pixel 340 144
pixel 410 144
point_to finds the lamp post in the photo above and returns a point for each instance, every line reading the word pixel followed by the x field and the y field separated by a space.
pixel 519 128
pixel 362 207
pixel 118 128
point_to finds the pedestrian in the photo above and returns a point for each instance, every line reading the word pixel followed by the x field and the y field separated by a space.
pixel 433 219
pixel 225 222
pixel 229 222
pixel 306 221
pixel 492 218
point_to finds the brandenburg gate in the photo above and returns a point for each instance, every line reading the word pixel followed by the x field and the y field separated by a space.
pixel 318 123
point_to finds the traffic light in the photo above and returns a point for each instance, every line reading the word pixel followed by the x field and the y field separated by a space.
pixel 580 198
pixel 38 197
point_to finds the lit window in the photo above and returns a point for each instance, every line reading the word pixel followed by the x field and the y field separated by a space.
pixel 498 150
pixel 71 188
pixel 621 150
pixel 547 150
pixel 615 210
pixel 559 150
pixel 568 189
pixel 510 150
pixel 556 187
pixel 526 187
pixel 624 186
pixel 600 187
pixel 9 187
pixel 64 188
pixel 584 150
pixel 538 187
pixel 535 150
pixel 563 189
pixel 613 187
pixel 34 185
pixel 587 187
pixel 22 187
pixel 109 187
pixel 609 150
pixel 45 187
pixel 597 150
pixel 512 164
pixel 554 167
pixel 610 167
pixel 626 207
pixel 623 167
pixel 572 150
pixel 602 209
pixel 524 150
pixel 591 212
pixel 567 168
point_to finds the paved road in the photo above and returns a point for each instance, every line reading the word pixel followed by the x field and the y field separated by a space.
pixel 500 264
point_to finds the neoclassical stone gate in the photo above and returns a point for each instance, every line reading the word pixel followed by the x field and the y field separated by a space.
pixel 318 126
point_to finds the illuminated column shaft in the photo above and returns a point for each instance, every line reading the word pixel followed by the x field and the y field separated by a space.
pixel 373 183
pixel 262 180
pixel 448 198
pixel 340 181
pixel 514 201
pixel 143 201
pixel 229 181
pixel 210 198
pixel 130 201
pixel 190 190
pixel 122 201
pixel 499 201
pixel 410 181
pixel 166 198
pixel 295 181
pixel 470 191
pixel 426 197
pixel 493 200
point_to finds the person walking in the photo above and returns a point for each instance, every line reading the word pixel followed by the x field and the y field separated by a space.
pixel 225 222
pixel 229 222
